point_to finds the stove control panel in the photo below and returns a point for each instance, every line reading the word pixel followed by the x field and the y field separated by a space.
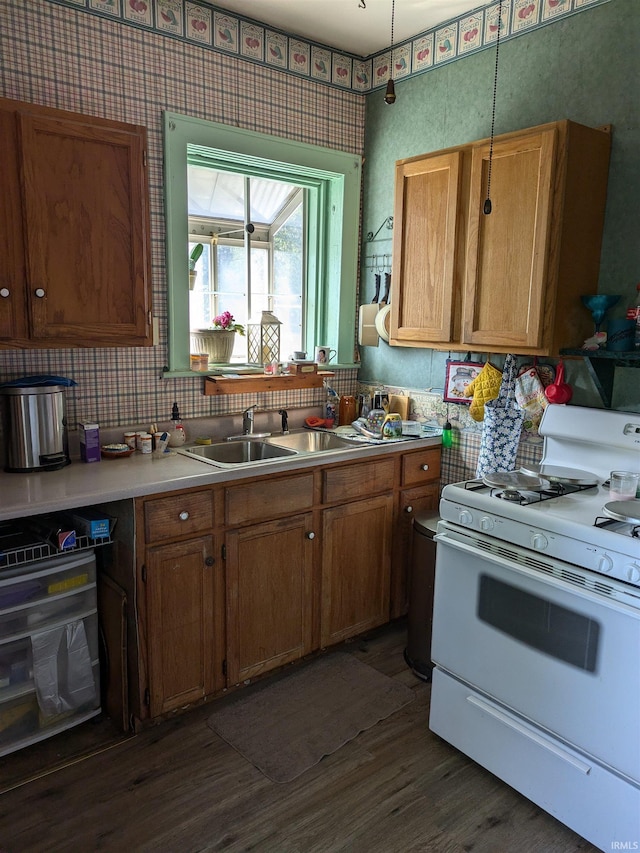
pixel 604 560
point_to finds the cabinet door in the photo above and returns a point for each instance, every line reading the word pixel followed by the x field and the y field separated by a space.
pixel 426 266
pixel 411 502
pixel 184 624
pixel 13 319
pixel 86 229
pixel 356 559
pixel 507 250
pixel 269 595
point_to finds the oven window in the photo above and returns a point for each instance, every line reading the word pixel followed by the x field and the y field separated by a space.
pixel 538 622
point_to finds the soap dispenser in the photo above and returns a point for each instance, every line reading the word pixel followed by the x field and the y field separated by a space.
pixel 177 435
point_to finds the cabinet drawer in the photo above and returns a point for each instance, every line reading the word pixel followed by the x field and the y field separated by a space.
pixel 354 481
pixel 421 466
pixel 178 515
pixel 268 499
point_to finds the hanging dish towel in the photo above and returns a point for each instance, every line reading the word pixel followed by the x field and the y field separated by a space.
pixel 503 420
pixel 484 387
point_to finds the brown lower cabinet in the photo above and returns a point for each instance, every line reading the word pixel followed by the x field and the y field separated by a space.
pixel 235 580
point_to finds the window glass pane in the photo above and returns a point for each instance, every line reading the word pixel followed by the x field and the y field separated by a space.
pixel 288 279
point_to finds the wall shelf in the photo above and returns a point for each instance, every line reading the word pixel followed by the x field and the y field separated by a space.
pixel 601 365
pixel 252 384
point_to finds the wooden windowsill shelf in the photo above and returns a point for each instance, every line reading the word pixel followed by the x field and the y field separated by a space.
pixel 254 383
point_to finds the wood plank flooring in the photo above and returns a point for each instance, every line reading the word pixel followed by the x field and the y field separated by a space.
pixel 178 788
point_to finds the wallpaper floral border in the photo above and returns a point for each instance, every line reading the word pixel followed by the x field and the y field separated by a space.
pixel 216 29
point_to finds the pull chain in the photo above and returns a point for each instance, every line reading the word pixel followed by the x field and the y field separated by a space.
pixel 487 204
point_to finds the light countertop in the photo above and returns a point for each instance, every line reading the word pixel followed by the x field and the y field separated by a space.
pixel 82 484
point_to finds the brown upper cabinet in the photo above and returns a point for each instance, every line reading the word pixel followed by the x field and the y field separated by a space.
pixel 509 281
pixel 75 264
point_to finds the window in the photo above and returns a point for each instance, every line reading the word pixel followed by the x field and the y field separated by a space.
pixel 328 182
pixel 269 228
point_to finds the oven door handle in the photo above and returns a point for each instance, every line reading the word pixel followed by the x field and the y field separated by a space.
pixel 524 730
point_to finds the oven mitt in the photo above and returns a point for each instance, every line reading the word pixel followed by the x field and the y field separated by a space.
pixel 484 387
pixel 530 397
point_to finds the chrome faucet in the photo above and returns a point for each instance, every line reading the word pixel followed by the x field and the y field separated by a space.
pixel 247 420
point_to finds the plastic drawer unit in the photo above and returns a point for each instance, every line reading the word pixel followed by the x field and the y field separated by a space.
pixel 49 665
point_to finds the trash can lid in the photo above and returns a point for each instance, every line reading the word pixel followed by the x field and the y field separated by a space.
pixel 426 522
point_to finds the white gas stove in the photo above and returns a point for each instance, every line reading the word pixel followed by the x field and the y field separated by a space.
pixel 567 517
pixel 536 626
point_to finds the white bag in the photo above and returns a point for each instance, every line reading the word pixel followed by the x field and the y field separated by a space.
pixel 503 420
pixel 530 397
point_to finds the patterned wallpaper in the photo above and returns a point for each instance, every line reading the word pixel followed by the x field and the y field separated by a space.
pixel 61 56
pixel 216 29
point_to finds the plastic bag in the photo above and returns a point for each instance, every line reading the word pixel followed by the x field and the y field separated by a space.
pixel 530 396
pixel 62 669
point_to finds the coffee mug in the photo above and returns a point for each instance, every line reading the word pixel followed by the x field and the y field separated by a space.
pixel 298 355
pixel 324 354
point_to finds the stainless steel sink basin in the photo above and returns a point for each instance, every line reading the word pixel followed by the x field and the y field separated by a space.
pixel 307 441
pixel 239 452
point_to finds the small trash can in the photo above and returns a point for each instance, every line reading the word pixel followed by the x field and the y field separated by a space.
pixel 421 582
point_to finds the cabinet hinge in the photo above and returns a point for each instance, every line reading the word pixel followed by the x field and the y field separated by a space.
pixel 224 552
pixel 144 157
pixel 143 572
pixel 224 667
pixel 147 697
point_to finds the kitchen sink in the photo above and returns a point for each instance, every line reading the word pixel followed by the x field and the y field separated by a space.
pixel 307 441
pixel 238 452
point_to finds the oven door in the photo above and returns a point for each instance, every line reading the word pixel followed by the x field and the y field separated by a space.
pixel 539 636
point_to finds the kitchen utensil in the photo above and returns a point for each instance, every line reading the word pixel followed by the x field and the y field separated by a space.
pixel 559 474
pixel 383 317
pixel 559 391
pixel 367 334
pixel 392 426
pixel 400 404
pixel 514 480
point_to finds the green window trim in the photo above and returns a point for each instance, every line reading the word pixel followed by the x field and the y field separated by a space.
pixel 333 179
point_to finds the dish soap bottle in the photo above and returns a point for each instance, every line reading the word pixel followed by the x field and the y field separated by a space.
pixel 177 435
pixel 331 406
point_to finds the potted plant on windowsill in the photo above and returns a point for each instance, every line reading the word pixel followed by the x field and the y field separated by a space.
pixel 217 341
pixel 194 257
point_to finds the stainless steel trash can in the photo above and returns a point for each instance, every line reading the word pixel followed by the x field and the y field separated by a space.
pixel 421 581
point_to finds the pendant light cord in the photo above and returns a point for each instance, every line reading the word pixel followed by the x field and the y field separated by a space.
pixel 487 204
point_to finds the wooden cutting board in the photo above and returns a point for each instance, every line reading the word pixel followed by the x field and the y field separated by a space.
pixel 367 332
pixel 399 404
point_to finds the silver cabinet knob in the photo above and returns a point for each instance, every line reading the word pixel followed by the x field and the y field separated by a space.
pixel 408 509
pixel 311 535
pixel 5 292
pixel 424 467
pixel 184 515
pixel 39 292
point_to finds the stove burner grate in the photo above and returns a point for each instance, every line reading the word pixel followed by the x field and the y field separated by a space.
pixel 605 521
pixel 530 496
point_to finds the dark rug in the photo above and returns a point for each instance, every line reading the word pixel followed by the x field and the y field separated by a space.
pixel 286 727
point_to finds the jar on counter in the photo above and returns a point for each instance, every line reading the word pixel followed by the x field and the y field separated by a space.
pixel 131 440
pixel 145 442
pixel 347 410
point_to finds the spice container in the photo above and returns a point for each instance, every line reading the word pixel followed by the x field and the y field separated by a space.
pixel 131 439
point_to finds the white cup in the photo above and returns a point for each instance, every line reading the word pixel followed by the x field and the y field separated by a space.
pixel 323 354
pixel 623 485
pixel 299 355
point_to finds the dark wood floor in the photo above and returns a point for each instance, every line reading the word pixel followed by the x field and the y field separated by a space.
pixel 396 788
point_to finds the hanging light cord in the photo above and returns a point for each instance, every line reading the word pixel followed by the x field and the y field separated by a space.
pixel 487 204
pixel 390 94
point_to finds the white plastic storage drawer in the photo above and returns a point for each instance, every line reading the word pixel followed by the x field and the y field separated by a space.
pixel 48 612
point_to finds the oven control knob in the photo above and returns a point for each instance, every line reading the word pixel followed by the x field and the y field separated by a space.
pixel 486 522
pixel 465 517
pixel 633 573
pixel 605 563
pixel 539 542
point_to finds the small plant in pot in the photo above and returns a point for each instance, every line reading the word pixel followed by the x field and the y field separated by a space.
pixel 217 341
pixel 194 257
